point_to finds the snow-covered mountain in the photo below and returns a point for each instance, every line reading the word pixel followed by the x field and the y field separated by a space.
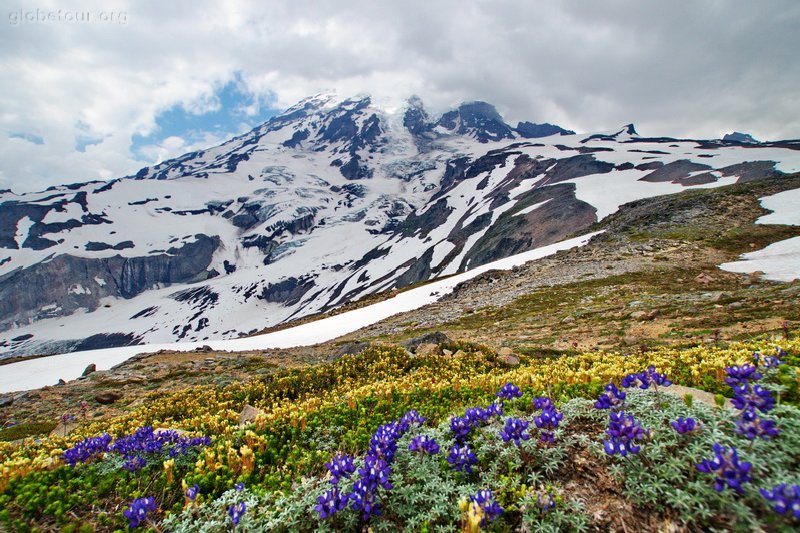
pixel 328 202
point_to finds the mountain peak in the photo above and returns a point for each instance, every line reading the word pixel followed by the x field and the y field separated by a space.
pixel 740 137
pixel 476 119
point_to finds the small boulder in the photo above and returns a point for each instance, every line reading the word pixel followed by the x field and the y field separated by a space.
pixel 638 315
pixel 248 415
pixel 64 428
pixel 428 349
pixel 436 337
pixel 107 398
pixel 508 360
pixel 89 369
pixel 351 348
pixel 703 278
pixel 6 401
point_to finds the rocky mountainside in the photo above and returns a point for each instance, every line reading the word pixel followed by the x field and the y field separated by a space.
pixel 322 205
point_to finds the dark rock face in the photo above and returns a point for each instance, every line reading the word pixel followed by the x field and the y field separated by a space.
pixel 288 291
pixel 108 340
pixel 529 130
pixel 676 172
pixel 416 120
pixel 478 119
pixel 125 277
pixel 576 167
pixel 514 233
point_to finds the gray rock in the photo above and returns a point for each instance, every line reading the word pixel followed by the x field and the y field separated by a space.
pixel 89 369
pixel 6 401
pixel 436 337
pixel 351 348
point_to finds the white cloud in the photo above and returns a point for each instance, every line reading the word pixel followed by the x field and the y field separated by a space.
pixel 679 68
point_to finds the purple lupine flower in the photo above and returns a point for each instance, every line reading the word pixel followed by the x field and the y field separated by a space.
pixel 134 464
pixel 476 416
pixel 542 402
pixel 460 426
pixel 545 500
pixel 384 441
pixel 330 503
pixel 239 487
pixel 612 398
pixel 341 466
pixel 646 378
pixel 411 417
pixel 548 421
pixel 365 500
pixel 509 392
pixel 514 430
pixel 491 509
pixel 191 492
pixel 462 458
pixel 87 449
pixel 376 471
pixel 769 361
pixel 623 431
pixel 746 396
pixel 742 375
pixel 138 511
pixel 727 468
pixel 494 409
pixel 685 426
pixel 751 426
pixel 236 511
pixel 785 499
pixel 424 444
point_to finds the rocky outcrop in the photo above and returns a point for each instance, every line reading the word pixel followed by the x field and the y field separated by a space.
pixel 529 130
pixel 72 284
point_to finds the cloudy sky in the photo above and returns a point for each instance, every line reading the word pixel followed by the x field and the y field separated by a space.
pixel 98 89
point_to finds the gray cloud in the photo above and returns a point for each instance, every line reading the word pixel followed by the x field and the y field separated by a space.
pixel 681 68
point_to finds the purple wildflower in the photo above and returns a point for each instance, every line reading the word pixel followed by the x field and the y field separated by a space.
pixel 491 509
pixel 509 392
pixel 727 468
pixel 612 398
pixel 191 492
pixel 236 511
pixel 514 430
pixel 462 458
pixel 742 375
pixel 330 503
pixel 685 426
pixel 784 498
pixel 751 426
pixel 746 396
pixel 548 421
pixel 138 511
pixel 341 466
pixel 424 444
pixel 623 431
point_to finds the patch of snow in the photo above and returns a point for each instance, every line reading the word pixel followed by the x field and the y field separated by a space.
pixel 100 281
pixel 531 208
pixel 23 226
pixel 36 373
pixel 785 207
pixel 779 261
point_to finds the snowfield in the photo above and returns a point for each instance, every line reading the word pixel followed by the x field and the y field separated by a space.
pixel 37 373
pixel 780 261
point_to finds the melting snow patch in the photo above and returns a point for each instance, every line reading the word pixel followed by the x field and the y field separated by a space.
pixel 780 261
